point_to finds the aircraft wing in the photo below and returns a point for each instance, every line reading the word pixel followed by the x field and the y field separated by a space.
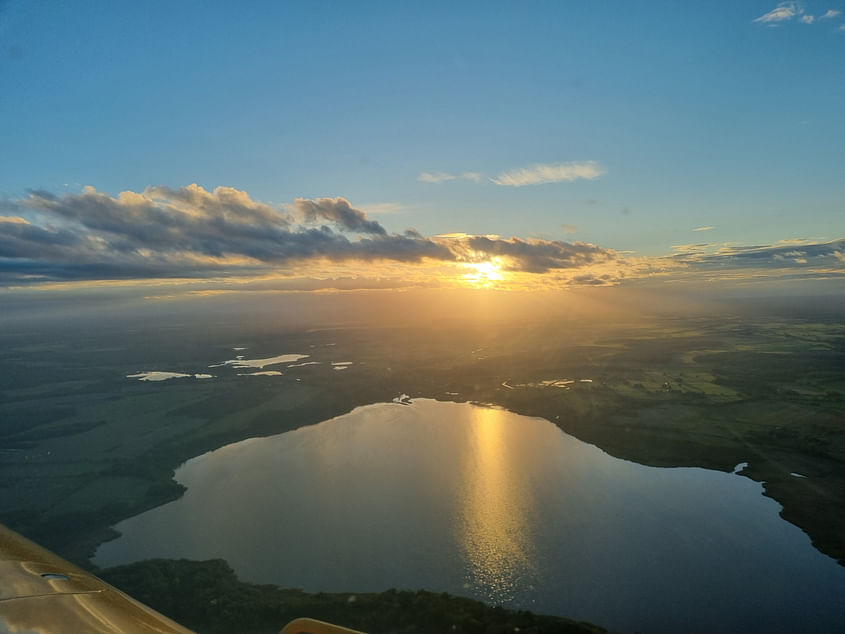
pixel 41 592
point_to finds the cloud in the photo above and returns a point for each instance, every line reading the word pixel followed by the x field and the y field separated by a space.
pixel 435 177
pixel 589 279
pixel 166 232
pixel 822 254
pixel 382 208
pixel 540 173
pixel 784 11
pixel 569 229
pixel 692 248
pixel 704 228
pixel 225 239
pixel 536 174
pixel 189 232
pixel 735 264
pixel 338 211
pixel 441 177
pixel 533 256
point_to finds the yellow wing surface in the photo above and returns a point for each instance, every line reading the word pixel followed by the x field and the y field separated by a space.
pixel 42 593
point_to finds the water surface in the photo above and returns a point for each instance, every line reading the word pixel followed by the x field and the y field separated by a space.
pixel 505 508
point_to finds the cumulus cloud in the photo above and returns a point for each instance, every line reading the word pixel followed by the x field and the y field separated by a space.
pixel 165 232
pixel 807 19
pixel 784 11
pixel 338 211
pixel 162 233
pixel 540 173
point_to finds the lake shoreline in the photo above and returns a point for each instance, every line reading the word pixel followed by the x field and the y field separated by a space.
pixel 82 549
pixel 498 497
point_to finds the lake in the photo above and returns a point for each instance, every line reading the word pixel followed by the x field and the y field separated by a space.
pixel 482 502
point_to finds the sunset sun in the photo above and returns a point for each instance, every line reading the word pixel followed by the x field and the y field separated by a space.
pixel 483 274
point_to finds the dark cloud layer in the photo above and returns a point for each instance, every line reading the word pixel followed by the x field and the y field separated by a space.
pixel 538 256
pixel 786 254
pixel 190 232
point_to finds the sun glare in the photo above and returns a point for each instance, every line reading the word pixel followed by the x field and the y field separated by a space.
pixel 483 274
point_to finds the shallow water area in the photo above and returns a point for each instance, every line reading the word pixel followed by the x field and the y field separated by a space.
pixel 482 502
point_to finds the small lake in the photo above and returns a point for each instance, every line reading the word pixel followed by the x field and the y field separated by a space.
pixel 482 502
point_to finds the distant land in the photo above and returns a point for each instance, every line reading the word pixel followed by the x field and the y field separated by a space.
pixel 85 444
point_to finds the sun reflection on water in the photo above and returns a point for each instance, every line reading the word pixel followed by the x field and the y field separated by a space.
pixel 494 531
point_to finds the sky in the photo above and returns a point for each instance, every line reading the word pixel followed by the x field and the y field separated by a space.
pixel 220 147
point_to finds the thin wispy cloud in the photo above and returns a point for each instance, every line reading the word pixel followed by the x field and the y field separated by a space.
pixel 783 12
pixel 435 177
pixel 689 248
pixel 440 177
pixel 787 11
pixel 536 174
pixel 704 228
pixel 541 173
pixel 382 208
pixel 569 229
